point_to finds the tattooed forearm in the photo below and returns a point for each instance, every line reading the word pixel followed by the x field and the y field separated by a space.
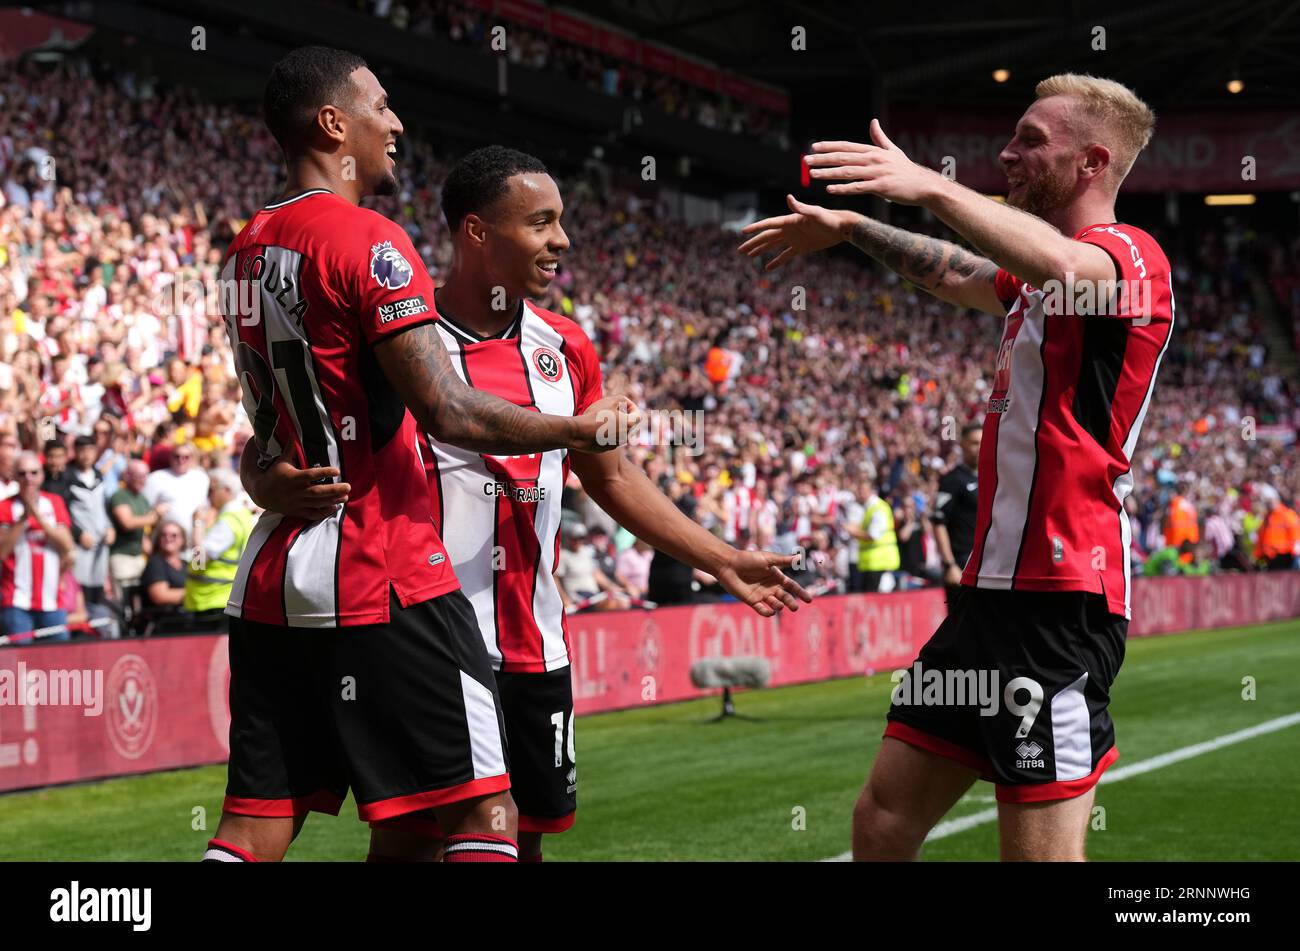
pixel 923 260
pixel 418 366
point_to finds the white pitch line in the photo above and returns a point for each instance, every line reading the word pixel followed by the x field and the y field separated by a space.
pixel 953 826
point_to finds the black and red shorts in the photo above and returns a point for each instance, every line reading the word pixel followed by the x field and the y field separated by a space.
pixel 538 710
pixel 1016 686
pixel 405 714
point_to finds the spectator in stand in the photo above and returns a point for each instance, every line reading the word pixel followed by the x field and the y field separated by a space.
pixel 602 550
pixel 35 538
pixel 163 580
pixel 220 532
pixel 579 574
pixel 854 508
pixel 132 516
pixel 94 534
pixel 58 478
pixel 671 581
pixel 878 555
pixel 955 508
pixel 817 571
pixel 913 527
pixel 1218 536
pixel 1279 536
pixel 8 464
pixel 633 568
pixel 1181 530
pixel 182 486
pixel 111 462
pixel 164 446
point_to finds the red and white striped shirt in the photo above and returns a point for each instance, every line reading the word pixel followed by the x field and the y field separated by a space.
pixel 499 516
pixel 739 503
pixel 29 577
pixel 1068 401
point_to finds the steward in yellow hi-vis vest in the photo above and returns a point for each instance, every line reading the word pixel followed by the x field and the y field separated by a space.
pixel 878 550
pixel 218 543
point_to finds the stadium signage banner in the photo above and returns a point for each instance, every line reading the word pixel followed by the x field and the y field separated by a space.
pixel 163 701
pixel 163 705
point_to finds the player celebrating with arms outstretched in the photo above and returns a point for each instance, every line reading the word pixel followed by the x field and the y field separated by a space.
pixel 1045 600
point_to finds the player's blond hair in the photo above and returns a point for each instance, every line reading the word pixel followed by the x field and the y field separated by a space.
pixel 1108 108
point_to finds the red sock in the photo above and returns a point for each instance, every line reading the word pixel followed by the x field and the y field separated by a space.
pixel 376 857
pixel 532 858
pixel 480 847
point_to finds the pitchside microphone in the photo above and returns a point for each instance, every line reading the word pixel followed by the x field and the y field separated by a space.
pixel 710 673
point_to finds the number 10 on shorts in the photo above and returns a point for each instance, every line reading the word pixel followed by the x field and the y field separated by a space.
pixel 557 720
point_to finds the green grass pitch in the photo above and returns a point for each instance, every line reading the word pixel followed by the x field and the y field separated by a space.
pixel 660 783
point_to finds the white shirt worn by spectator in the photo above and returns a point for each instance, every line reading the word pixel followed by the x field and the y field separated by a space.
pixel 854 513
pixel 577 571
pixel 183 495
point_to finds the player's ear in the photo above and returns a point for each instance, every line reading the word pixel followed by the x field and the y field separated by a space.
pixel 474 229
pixel 331 122
pixel 1096 159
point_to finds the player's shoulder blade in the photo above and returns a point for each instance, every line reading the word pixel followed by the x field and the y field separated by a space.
pixel 1147 247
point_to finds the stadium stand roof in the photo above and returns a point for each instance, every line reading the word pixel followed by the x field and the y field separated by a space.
pixel 1178 54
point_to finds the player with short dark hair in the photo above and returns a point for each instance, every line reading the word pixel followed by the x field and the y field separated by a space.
pixel 1089 312
pixel 500 514
pixel 356 662
pixel 482 179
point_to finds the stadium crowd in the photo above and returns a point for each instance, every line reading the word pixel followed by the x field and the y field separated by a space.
pixel 816 407
pixel 470 25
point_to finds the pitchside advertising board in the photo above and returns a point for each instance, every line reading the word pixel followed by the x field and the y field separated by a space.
pixel 85 711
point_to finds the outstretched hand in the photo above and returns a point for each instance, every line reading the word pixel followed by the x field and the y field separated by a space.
pixel 755 577
pixel 810 228
pixel 881 169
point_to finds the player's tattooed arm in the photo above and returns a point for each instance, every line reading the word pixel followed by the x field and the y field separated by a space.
pixel 418 366
pixel 946 270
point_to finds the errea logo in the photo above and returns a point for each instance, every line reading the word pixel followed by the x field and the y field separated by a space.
pixel 1030 756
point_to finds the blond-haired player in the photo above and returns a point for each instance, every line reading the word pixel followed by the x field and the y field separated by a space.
pixel 1043 611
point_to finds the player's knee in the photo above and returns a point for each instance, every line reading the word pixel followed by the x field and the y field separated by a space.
pixel 1044 832
pixel 880 831
pixel 496 814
